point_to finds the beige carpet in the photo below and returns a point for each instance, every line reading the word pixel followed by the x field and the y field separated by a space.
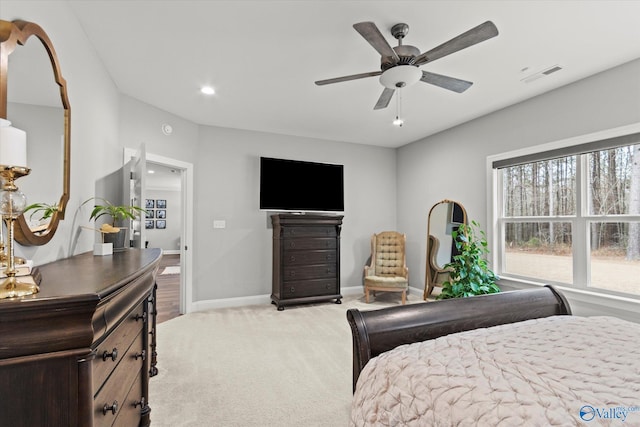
pixel 256 366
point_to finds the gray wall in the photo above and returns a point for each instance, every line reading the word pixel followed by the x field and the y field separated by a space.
pixel 168 238
pixel 95 150
pixel 385 189
pixel 232 262
pixel 452 164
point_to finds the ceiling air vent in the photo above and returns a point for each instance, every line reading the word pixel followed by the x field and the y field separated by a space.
pixel 540 74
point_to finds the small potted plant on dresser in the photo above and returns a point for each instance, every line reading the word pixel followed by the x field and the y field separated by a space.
pixel 111 231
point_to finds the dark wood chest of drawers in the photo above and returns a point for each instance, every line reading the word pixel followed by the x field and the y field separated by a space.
pixel 79 352
pixel 306 258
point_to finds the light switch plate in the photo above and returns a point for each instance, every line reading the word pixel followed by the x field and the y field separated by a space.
pixel 219 223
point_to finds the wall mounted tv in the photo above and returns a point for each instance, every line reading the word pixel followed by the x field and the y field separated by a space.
pixel 294 185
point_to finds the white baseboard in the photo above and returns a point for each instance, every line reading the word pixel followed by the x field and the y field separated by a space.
pixel 171 251
pixel 266 299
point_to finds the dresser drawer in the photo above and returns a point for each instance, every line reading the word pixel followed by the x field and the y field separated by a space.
pixel 303 243
pixel 296 258
pixel 111 399
pixel 129 414
pixel 309 232
pixel 110 352
pixel 320 271
pixel 310 288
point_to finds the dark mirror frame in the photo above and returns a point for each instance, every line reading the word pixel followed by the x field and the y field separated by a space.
pixel 13 34
pixel 432 269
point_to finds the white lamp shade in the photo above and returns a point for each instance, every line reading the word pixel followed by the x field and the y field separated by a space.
pixel 13 145
pixel 400 76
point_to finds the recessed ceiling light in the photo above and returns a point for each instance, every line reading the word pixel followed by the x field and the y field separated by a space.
pixel 207 90
pixel 151 171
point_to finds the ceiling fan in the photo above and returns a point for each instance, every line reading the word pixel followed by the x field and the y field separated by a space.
pixel 399 65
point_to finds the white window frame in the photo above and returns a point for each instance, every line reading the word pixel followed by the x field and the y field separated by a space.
pixel 581 252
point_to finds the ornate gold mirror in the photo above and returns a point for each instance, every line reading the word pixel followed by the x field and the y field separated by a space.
pixel 444 217
pixel 34 98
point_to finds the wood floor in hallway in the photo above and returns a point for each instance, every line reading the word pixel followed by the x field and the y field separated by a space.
pixel 168 294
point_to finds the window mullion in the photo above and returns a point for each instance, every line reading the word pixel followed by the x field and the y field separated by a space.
pixel 580 227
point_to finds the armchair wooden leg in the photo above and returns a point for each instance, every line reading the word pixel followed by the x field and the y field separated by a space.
pixel 366 295
pixel 404 297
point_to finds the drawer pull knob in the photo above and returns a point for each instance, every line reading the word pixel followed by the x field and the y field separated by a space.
pixel 140 402
pixel 292 258
pixel 142 354
pixel 293 289
pixel 292 274
pixel 113 355
pixel 328 285
pixel 292 245
pixel 142 316
pixel 113 408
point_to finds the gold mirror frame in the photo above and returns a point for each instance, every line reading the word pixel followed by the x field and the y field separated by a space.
pixel 433 270
pixel 13 34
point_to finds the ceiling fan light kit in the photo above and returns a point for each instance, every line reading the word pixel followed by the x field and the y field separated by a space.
pixel 400 76
pixel 399 65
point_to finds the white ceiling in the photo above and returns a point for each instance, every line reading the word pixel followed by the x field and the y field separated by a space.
pixel 263 57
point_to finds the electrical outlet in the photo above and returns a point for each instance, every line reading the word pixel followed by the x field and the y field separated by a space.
pixel 219 223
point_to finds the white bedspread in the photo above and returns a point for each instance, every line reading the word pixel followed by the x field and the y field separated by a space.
pixel 556 371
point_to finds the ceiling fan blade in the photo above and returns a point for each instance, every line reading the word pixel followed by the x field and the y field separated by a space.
pixel 384 99
pixel 347 78
pixel 445 82
pixel 475 35
pixel 372 34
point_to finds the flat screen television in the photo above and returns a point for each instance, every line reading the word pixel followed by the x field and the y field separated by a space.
pixel 295 185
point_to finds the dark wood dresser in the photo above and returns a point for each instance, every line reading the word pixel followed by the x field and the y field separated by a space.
pixel 78 353
pixel 306 258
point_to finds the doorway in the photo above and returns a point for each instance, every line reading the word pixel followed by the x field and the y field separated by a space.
pixel 183 173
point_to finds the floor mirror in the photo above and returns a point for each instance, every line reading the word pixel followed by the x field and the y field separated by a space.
pixel 444 218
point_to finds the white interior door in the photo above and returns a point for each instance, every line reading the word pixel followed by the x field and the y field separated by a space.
pixel 135 195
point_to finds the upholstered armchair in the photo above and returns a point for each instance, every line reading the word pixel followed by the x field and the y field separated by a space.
pixel 388 270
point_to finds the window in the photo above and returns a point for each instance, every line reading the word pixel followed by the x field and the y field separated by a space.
pixel 571 216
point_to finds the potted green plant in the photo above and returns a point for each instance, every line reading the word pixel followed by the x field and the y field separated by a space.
pixel 110 231
pixel 469 270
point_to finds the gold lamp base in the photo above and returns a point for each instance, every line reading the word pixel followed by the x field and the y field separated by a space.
pixel 11 288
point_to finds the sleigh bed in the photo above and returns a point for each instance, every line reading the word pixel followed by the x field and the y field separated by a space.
pixel 514 358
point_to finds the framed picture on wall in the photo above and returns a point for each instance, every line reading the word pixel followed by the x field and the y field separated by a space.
pixel 161 224
pixel 161 204
pixel 150 204
pixel 148 224
pixel 148 213
pixel 161 214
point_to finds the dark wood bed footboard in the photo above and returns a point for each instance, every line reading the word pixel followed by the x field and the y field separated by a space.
pixel 376 331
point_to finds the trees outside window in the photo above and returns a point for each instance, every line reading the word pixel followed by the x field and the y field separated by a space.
pixel 573 220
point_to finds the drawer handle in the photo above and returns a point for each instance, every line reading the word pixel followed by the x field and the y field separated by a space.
pixel 292 274
pixel 142 354
pixel 293 289
pixel 292 258
pixel 328 285
pixel 142 316
pixel 113 408
pixel 113 355
pixel 328 270
pixel 140 402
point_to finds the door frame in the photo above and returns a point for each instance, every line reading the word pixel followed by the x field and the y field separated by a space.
pixel 186 238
